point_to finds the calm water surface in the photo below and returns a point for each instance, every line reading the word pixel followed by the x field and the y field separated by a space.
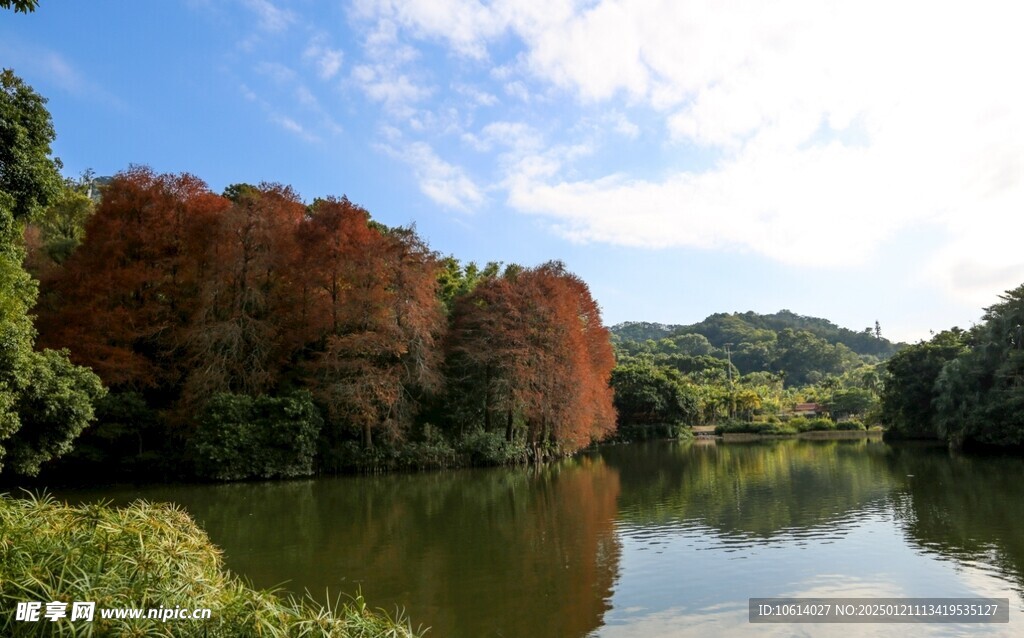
pixel 656 539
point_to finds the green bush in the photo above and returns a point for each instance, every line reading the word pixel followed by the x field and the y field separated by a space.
pixel 242 437
pixel 149 556
pixel 820 425
pixel 745 427
pixel 798 423
pixel 491 448
pixel 851 424
pixel 427 455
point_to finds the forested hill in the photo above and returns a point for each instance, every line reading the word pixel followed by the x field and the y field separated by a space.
pixel 750 327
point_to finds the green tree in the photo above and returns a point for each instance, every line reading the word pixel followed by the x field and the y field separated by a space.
pixel 851 402
pixel 20 6
pixel 242 437
pixel 61 224
pixel 455 279
pixel 979 397
pixel 55 403
pixel 646 396
pixel 45 401
pixel 28 175
pixel 909 391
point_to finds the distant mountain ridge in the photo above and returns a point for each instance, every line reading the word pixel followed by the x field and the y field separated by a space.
pixel 751 327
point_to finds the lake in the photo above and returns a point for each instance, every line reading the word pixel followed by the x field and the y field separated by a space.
pixel 655 539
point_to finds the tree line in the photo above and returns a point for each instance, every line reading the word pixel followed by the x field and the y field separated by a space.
pixel 733 371
pixel 249 333
pixel 963 386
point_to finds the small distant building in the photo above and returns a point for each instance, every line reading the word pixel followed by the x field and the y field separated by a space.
pixel 809 409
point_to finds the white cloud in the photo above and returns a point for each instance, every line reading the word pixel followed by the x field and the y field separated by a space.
pixel 444 183
pixel 326 60
pixel 518 90
pixel 294 127
pixel 831 125
pixel 477 96
pixel 464 24
pixel 30 59
pixel 514 136
pixel 622 125
pixel 396 90
pixel 270 16
pixel 303 96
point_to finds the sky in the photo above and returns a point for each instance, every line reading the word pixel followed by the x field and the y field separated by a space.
pixel 858 161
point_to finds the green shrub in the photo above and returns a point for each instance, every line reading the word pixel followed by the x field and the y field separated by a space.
pixel 149 556
pixel 798 423
pixel 820 425
pixel 427 455
pixel 851 424
pixel 746 427
pixel 491 448
pixel 242 437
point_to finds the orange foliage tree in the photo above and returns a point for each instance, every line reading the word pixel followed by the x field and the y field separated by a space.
pixel 372 317
pixel 120 302
pixel 243 332
pixel 180 294
pixel 528 352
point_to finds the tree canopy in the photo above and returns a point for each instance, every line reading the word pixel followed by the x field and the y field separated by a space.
pixel 45 401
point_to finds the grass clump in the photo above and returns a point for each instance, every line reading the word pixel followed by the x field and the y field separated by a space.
pixel 149 555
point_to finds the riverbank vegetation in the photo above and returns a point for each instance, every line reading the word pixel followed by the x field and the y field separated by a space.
pixel 249 334
pixel 963 386
pixel 150 556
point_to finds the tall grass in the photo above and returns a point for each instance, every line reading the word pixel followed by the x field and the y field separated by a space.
pixel 150 555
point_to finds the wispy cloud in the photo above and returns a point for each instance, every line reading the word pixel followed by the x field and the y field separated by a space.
pixel 444 183
pixel 515 136
pixel 832 127
pixel 271 18
pixel 275 116
pixel 396 90
pixel 326 60
pixel 292 126
pixel 293 92
pixel 55 67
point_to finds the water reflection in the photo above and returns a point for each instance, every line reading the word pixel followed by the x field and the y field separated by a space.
pixel 754 491
pixel 966 508
pixel 478 553
pixel 637 540
pixel 704 528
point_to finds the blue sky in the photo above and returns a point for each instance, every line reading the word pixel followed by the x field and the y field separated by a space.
pixel 856 161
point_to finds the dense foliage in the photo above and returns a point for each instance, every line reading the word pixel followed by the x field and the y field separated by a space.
pixel 652 401
pixel 190 303
pixel 965 387
pixel 908 398
pixel 738 369
pixel 803 349
pixel 45 401
pixel 528 354
pixel 250 334
pixel 240 437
